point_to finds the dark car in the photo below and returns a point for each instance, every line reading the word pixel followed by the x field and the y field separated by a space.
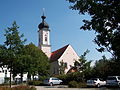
pixel 113 81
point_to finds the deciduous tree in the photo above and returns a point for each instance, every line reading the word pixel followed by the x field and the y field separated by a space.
pixel 102 68
pixel 83 65
pixel 14 45
pixel 105 21
pixel 37 61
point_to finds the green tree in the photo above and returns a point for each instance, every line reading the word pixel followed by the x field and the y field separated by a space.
pixel 21 65
pixel 102 68
pixel 2 55
pixel 83 65
pixel 37 61
pixel 62 67
pixel 114 67
pixel 105 21
pixel 14 45
pixel 105 67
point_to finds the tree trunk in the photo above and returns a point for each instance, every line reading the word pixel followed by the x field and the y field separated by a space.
pixel 33 76
pixel 10 78
pixel 21 77
pixel 28 77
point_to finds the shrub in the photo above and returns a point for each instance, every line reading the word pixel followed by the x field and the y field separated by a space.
pixel 18 88
pixel 81 85
pixel 36 83
pixel 76 76
pixel 42 78
pixel 7 79
pixel 72 84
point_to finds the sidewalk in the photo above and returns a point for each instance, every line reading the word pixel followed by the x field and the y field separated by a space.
pixel 57 87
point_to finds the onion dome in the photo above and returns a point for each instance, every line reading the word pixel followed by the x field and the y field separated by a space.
pixel 43 24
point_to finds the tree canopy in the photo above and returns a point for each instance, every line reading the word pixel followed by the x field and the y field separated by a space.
pixel 83 66
pixel 20 58
pixel 102 68
pixel 37 62
pixel 105 21
pixel 13 46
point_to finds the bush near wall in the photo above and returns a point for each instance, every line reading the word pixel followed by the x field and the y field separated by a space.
pixel 73 80
pixel 35 83
pixel 74 84
pixel 76 76
pixel 18 88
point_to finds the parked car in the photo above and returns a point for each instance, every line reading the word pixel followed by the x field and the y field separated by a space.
pixel 52 81
pixel 96 82
pixel 113 81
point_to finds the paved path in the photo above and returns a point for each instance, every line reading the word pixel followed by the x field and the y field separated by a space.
pixel 62 88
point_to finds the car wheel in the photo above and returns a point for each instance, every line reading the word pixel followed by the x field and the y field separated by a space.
pixel 98 85
pixel 51 84
pixel 60 82
pixel 118 84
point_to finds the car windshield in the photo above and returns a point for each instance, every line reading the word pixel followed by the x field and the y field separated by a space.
pixel 93 79
pixel 101 79
pixel 47 79
pixel 55 79
pixel 111 78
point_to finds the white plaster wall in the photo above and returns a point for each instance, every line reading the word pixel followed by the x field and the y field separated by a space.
pixel 41 39
pixel 69 56
pixel 1 80
pixel 44 45
pixel 46 50
pixel 48 39
pixel 2 74
pixel 24 77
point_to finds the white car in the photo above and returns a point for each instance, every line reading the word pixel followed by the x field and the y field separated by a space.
pixel 52 81
pixel 113 81
pixel 96 82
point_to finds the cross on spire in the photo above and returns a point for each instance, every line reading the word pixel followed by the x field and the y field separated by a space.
pixel 43 16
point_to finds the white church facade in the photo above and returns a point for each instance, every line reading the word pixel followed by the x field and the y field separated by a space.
pixel 65 54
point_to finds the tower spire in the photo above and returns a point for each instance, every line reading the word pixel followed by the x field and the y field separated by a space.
pixel 43 11
pixel 44 36
pixel 43 24
pixel 43 16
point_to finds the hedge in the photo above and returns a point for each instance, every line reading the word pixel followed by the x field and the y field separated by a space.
pixel 18 88
pixel 35 83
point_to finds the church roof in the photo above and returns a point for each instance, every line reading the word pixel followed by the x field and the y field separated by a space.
pixel 58 53
pixel 43 25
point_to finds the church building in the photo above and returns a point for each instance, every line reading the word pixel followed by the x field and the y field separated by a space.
pixel 65 54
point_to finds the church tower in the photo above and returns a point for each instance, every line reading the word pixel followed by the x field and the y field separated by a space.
pixel 44 37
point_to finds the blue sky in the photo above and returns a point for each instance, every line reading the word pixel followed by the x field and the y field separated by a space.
pixel 64 24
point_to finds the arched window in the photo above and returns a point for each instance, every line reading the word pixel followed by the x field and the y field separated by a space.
pixel 45 37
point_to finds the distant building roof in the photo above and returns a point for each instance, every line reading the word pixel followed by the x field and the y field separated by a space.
pixel 58 53
pixel 72 69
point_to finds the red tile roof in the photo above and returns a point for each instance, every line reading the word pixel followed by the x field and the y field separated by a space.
pixel 72 69
pixel 58 53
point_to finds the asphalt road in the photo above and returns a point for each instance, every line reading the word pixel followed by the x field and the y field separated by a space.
pixel 65 88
